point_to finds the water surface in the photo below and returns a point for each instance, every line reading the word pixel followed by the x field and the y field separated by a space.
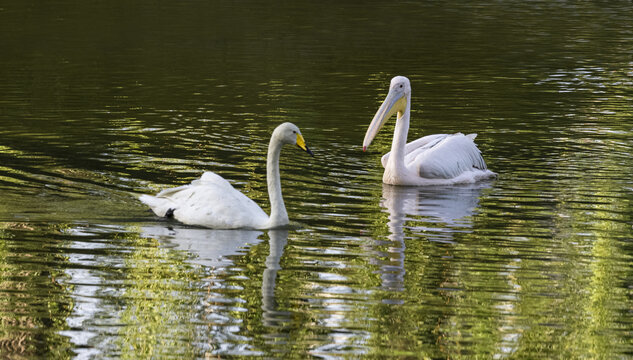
pixel 102 101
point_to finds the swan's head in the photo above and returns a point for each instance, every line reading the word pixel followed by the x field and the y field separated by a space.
pixel 395 102
pixel 289 133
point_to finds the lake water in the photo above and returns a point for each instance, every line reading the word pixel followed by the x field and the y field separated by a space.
pixel 103 100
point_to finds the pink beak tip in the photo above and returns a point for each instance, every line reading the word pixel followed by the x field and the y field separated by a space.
pixel 364 148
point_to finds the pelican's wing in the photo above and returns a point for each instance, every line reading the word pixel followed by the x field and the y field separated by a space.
pixel 209 201
pixel 421 143
pixel 446 157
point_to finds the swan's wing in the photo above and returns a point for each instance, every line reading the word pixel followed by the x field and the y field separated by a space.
pixel 217 206
pixel 168 199
pixel 446 158
pixel 421 143
pixel 209 201
pixel 209 177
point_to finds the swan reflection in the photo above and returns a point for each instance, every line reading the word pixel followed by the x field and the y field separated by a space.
pixel 438 212
pixel 212 248
pixel 272 317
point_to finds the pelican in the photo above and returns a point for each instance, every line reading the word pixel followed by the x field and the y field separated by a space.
pixel 439 159
pixel 212 202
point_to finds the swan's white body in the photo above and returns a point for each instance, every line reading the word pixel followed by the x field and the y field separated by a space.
pixel 212 202
pixel 439 159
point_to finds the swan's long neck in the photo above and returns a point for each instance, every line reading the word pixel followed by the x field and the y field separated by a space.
pixel 278 214
pixel 400 138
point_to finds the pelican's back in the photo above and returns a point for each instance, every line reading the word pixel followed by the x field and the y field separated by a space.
pixel 446 157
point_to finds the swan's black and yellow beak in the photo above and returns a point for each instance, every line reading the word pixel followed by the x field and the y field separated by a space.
pixel 302 144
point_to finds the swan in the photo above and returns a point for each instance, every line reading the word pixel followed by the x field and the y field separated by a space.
pixel 440 159
pixel 212 202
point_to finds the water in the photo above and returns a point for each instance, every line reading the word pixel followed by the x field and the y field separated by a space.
pixel 103 100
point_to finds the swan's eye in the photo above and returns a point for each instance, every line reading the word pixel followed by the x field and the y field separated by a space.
pixel 400 86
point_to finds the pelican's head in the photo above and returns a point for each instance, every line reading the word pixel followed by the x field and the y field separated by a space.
pixel 289 133
pixel 395 102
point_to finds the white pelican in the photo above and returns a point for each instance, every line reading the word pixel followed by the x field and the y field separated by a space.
pixel 431 160
pixel 212 202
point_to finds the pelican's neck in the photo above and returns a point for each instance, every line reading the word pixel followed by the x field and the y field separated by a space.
pixel 400 137
pixel 278 214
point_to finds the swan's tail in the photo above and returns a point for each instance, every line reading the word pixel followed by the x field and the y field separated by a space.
pixel 160 206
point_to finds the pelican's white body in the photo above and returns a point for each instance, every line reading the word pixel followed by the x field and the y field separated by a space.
pixel 439 159
pixel 212 202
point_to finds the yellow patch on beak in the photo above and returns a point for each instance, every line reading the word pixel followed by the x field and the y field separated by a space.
pixel 301 142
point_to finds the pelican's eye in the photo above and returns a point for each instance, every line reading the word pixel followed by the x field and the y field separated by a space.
pixel 401 86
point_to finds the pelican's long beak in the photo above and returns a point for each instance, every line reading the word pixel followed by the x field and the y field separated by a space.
pixel 302 144
pixel 394 102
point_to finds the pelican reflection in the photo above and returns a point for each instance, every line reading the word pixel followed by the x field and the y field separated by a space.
pixel 439 212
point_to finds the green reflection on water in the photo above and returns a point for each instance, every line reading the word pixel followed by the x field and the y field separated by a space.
pixel 158 304
pixel 33 304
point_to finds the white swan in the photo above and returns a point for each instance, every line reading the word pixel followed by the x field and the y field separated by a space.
pixel 439 159
pixel 212 202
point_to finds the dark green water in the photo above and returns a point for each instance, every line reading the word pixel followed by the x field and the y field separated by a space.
pixel 99 100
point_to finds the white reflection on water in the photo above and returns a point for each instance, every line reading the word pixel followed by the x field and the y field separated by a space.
pixel 87 302
pixel 213 249
pixel 449 207
pixel 88 289
pixel 272 317
pixel 210 247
